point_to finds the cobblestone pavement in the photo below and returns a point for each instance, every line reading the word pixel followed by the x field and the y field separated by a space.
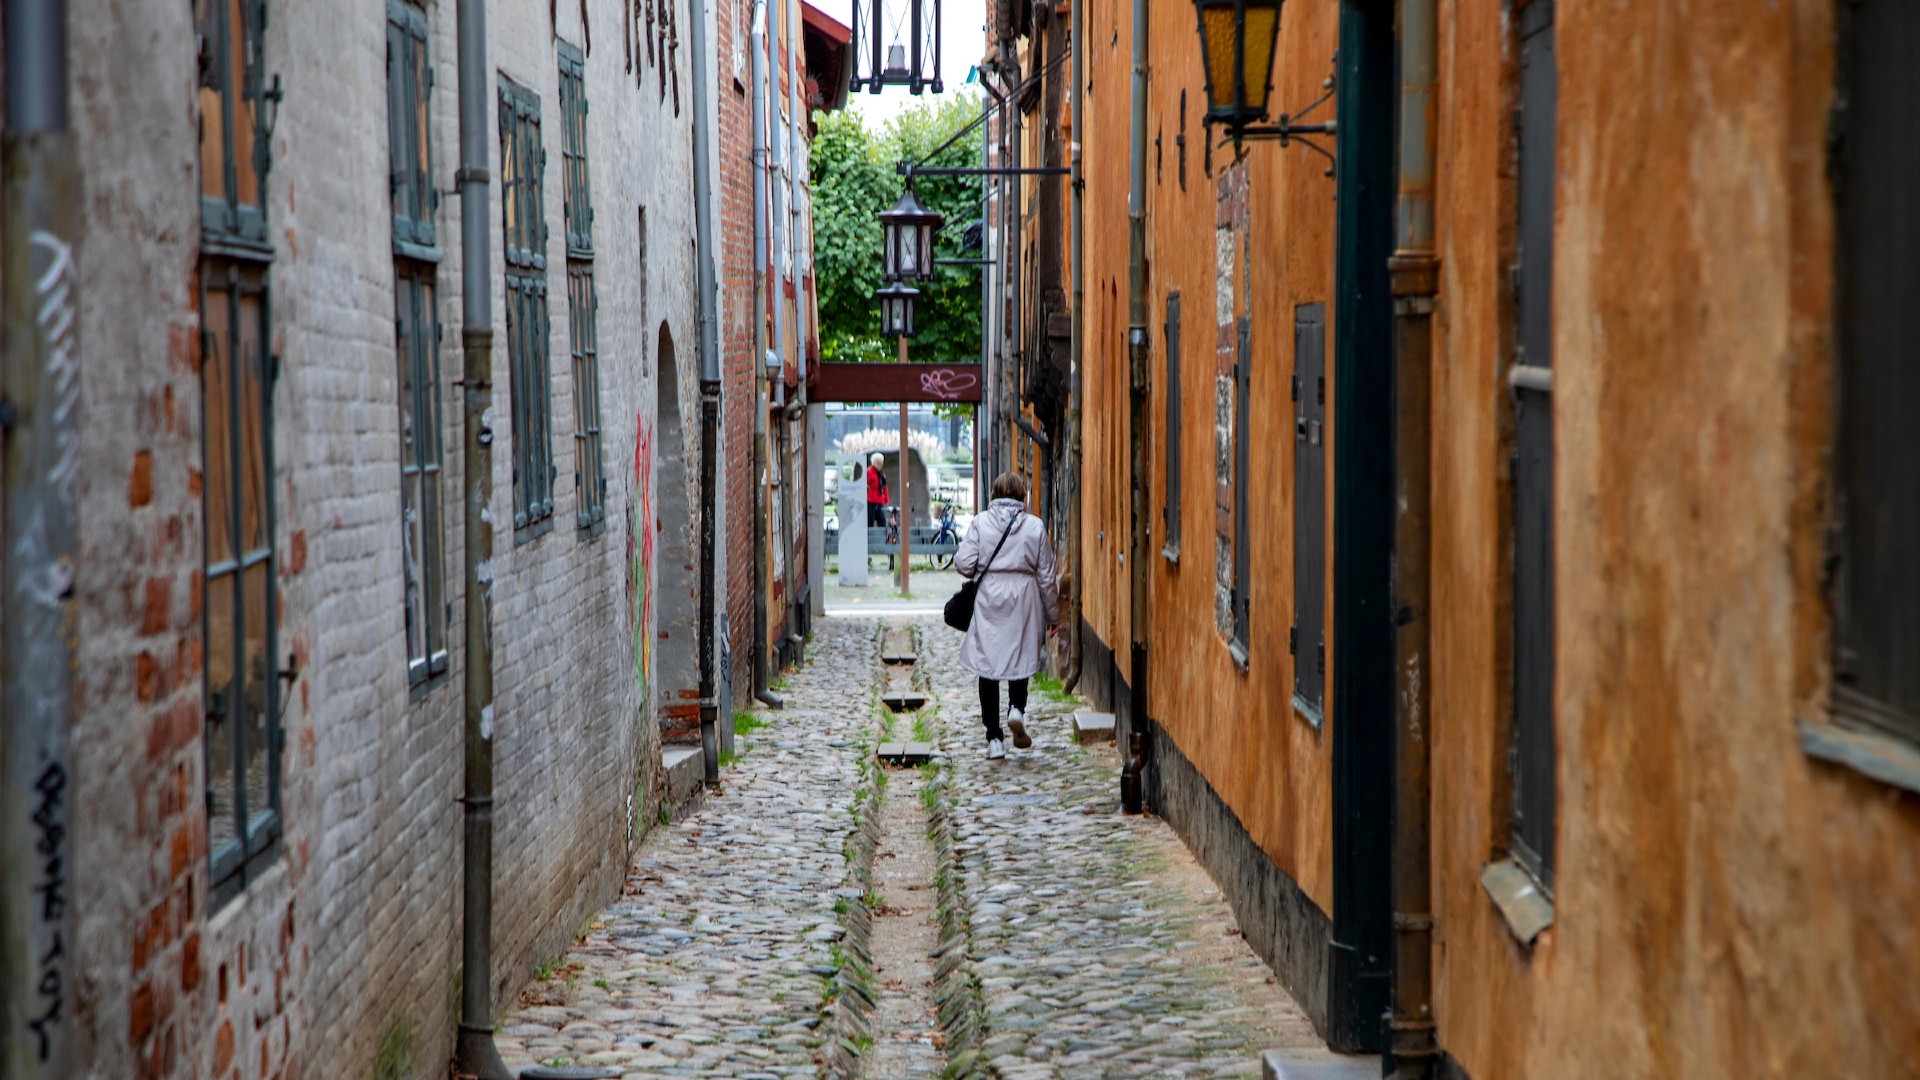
pixel 1097 946
pixel 1100 946
pixel 713 962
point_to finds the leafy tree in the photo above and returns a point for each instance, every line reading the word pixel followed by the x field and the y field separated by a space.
pixel 854 178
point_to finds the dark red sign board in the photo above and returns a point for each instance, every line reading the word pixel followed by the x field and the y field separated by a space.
pixel 949 383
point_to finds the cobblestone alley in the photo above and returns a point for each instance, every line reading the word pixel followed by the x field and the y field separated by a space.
pixel 821 915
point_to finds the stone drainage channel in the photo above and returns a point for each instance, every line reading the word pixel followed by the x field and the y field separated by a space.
pixel 919 1006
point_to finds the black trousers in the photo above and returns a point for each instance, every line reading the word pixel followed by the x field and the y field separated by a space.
pixel 990 703
pixel 876 515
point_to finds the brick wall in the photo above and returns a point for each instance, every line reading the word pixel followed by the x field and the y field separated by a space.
pixel 342 958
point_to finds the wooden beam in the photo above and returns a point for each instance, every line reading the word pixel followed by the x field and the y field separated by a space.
pixel 949 383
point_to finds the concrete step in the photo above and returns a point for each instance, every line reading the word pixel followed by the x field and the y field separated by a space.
pixel 1318 1065
pixel 1093 727
pixel 683 768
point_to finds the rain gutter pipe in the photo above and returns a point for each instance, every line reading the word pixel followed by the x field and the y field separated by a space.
pixel 709 397
pixel 474 1050
pixel 40 429
pixel 1078 186
pixel 796 407
pixel 1413 274
pixel 762 296
pixel 991 283
pixel 1132 776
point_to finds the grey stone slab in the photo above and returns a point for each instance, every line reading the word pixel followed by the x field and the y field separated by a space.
pixel 1093 727
pixel 904 753
pixel 683 768
pixel 1324 1065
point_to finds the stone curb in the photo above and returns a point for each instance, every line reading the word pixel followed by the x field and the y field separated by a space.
pixel 850 1013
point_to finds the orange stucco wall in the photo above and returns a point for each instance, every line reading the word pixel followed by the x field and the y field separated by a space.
pixel 1725 905
pixel 1237 726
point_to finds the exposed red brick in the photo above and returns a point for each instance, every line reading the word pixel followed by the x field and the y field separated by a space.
pixel 158 602
pixel 190 964
pixel 140 488
pixel 180 852
pixel 223 1048
pixel 140 1015
pixel 193 482
pixel 146 678
pixel 297 551
pixel 183 345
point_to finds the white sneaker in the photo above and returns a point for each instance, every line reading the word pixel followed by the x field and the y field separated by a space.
pixel 996 749
pixel 1017 724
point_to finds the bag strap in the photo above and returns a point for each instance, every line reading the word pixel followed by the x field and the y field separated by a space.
pixel 1012 525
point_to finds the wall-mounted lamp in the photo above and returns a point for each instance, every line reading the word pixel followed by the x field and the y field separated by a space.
pixel 913 63
pixel 907 239
pixel 896 309
pixel 1237 39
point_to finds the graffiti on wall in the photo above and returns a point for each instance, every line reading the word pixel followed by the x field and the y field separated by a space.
pixel 640 534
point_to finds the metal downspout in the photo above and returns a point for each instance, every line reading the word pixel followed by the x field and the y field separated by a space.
pixel 40 427
pixel 709 341
pixel 990 234
pixel 1132 795
pixel 1414 277
pixel 994 283
pixel 762 297
pixel 474 1051
pixel 795 408
pixel 1077 185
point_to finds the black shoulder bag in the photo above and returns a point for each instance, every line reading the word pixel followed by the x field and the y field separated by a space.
pixel 959 612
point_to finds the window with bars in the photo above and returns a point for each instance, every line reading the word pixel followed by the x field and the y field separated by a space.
pixel 237 371
pixel 583 304
pixel 417 339
pixel 1307 639
pixel 234 149
pixel 1171 332
pixel 523 221
pixel 1531 755
pixel 409 141
pixel 1875 578
pixel 1242 444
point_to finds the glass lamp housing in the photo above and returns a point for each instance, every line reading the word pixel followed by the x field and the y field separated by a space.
pixel 1237 39
pixel 896 309
pixel 907 239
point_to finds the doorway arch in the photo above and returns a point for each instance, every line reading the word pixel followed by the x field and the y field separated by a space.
pixel 675 533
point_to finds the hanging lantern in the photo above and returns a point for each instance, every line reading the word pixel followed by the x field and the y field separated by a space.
pixel 896 309
pixel 1237 38
pixel 896 43
pixel 907 239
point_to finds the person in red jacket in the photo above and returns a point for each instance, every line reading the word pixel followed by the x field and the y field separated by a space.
pixel 877 494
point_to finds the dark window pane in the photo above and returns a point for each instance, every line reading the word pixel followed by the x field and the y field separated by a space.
pixel 1309 507
pixel 216 391
pixel 223 712
pixel 1172 425
pixel 259 697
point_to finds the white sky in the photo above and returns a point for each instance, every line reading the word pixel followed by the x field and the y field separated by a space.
pixel 963 40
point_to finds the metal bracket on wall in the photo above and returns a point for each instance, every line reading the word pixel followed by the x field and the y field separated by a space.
pixel 1289 130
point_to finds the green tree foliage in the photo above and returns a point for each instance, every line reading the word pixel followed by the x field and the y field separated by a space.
pixel 853 180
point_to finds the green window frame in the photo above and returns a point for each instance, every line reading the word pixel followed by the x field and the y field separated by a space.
pixel 235 150
pixel 583 302
pixel 409 131
pixel 523 163
pixel 239 625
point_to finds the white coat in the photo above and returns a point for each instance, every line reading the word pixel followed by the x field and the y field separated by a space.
pixel 1017 598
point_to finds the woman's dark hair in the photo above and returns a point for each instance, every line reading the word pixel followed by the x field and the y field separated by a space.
pixel 1008 485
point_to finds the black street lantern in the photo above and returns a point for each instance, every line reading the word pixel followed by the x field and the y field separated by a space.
pixel 896 43
pixel 907 239
pixel 896 309
pixel 1236 53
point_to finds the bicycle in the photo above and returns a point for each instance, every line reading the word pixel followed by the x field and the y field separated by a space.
pixel 945 533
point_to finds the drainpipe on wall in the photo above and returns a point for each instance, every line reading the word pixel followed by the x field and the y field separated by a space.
pixel 989 279
pixel 1413 272
pixel 1132 796
pixel 474 1051
pixel 1074 487
pixel 796 611
pixel 40 425
pixel 709 396
pixel 761 298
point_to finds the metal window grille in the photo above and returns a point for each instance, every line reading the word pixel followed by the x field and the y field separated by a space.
pixel 522 165
pixel 1532 754
pixel 242 792
pixel 1307 639
pixel 573 152
pixel 1876 580
pixel 242 686
pixel 234 150
pixel 1242 443
pixel 1171 485
pixel 589 474
pixel 409 130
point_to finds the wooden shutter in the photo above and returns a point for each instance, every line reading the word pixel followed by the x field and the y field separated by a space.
pixel 1172 436
pixel 1307 638
pixel 1242 438
pixel 1531 380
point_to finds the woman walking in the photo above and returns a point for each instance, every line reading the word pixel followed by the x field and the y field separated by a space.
pixel 1016 607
